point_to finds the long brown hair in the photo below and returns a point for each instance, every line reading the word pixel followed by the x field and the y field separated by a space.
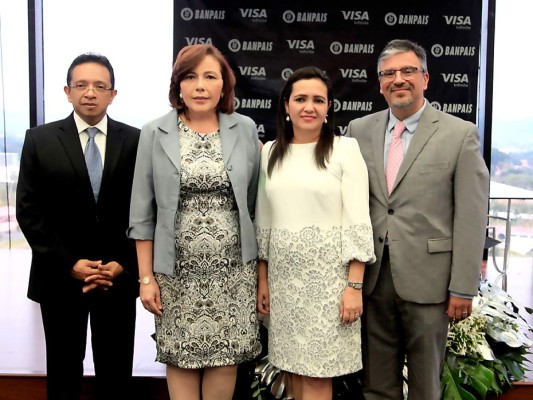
pixel 285 131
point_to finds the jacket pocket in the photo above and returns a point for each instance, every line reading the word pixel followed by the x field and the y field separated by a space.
pixel 440 245
pixel 433 166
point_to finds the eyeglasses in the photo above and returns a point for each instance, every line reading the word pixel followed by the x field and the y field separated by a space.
pixel 83 87
pixel 407 73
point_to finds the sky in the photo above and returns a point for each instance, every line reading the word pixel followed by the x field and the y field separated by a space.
pixel 513 58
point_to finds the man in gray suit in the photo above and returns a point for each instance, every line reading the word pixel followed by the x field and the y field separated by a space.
pixel 428 204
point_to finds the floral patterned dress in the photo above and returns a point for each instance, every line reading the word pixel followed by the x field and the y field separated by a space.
pixel 310 223
pixel 209 316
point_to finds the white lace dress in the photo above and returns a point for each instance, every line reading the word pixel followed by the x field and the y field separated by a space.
pixel 310 223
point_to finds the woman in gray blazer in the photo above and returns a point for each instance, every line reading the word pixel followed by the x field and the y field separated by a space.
pixel 191 214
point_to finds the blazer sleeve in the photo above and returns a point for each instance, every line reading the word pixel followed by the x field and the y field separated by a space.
pixel 471 188
pixel 143 205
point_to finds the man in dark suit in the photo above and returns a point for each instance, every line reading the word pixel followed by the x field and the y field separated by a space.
pixel 428 205
pixel 75 223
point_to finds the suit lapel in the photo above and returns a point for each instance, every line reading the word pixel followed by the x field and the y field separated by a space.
pixel 171 141
pixel 70 140
pixel 425 129
pixel 114 141
pixel 378 144
pixel 228 135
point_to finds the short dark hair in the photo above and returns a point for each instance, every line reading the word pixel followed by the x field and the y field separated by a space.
pixel 285 131
pixel 401 46
pixel 91 58
pixel 188 58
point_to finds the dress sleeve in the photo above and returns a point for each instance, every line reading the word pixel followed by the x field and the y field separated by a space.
pixel 142 207
pixel 357 240
pixel 262 208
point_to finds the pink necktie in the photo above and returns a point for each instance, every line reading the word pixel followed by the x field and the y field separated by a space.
pixel 395 156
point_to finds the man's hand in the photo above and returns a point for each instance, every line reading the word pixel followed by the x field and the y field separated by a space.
pixel 95 274
pixel 104 277
pixel 458 308
pixel 84 269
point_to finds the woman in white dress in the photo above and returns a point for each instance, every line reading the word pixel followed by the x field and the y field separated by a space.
pixel 314 236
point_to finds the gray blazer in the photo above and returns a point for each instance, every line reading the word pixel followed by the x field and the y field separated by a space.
pixel 436 215
pixel 156 183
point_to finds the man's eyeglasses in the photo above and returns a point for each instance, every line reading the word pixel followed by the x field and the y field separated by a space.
pixel 83 87
pixel 407 73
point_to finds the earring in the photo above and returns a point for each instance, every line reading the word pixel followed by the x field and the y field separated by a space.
pixel 326 119
pixel 181 96
pixel 287 118
pixel 222 95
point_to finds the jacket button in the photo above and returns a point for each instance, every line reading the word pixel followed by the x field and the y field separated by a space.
pixel 390 211
pixel 229 168
pixel 381 240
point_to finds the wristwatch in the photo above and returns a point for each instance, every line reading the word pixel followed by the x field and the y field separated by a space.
pixel 355 285
pixel 146 280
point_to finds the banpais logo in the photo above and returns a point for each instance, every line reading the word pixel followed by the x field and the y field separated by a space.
pixel 258 104
pixel 352 105
pixel 458 80
pixel 459 21
pixel 286 73
pixel 236 45
pixel 255 14
pixel 290 16
pixel 453 108
pixel 253 72
pixel 392 19
pixel 188 14
pixel 439 50
pixel 357 17
pixel 351 48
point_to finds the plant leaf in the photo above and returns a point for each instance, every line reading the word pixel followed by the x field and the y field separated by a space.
pixel 449 387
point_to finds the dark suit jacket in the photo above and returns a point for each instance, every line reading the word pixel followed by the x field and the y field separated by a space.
pixel 436 214
pixel 57 211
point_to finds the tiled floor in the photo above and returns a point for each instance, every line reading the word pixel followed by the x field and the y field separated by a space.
pixel 21 335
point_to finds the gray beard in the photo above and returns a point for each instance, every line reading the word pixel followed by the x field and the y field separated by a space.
pixel 402 103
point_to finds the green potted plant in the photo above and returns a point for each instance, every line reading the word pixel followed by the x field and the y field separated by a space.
pixel 486 353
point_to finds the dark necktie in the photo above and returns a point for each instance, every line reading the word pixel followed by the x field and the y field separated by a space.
pixel 93 159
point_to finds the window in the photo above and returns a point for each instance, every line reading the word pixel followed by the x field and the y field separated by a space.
pixel 14 119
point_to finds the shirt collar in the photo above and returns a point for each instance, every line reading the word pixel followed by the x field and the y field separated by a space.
pixel 410 122
pixel 82 125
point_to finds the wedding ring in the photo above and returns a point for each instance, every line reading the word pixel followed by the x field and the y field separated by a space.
pixel 465 312
pixel 356 315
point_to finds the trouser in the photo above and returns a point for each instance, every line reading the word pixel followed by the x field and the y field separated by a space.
pixel 112 318
pixel 394 330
